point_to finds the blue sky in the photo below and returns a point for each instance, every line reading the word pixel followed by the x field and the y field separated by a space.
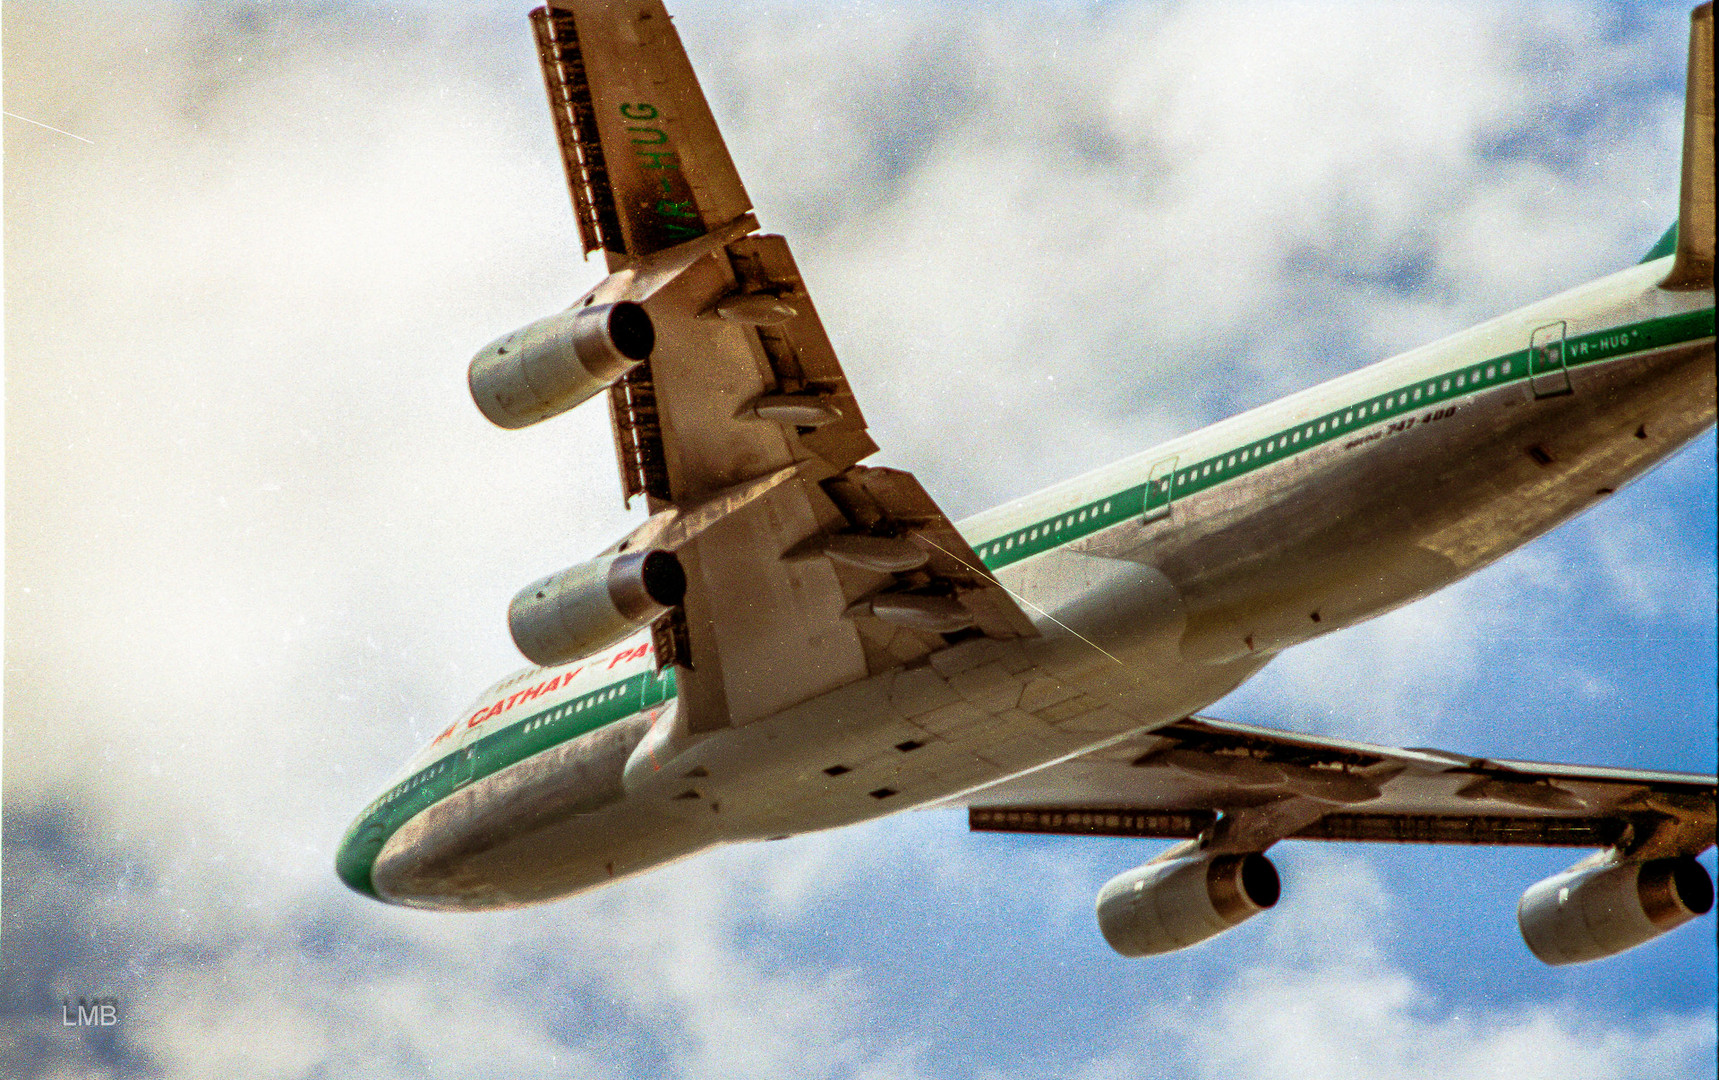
pixel 259 542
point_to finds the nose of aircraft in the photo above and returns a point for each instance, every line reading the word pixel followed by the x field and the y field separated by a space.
pixel 462 836
pixel 357 853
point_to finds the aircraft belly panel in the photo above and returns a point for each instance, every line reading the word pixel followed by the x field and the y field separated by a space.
pixel 978 712
pixel 474 848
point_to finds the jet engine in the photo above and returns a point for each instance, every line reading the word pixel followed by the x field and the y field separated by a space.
pixel 1169 905
pixel 547 367
pixel 587 608
pixel 1595 910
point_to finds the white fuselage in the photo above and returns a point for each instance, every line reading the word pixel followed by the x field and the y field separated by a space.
pixel 1158 585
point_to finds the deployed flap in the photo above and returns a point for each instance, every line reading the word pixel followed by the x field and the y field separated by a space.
pixel 805 571
pixel 1245 787
pixel 1693 268
pixel 645 163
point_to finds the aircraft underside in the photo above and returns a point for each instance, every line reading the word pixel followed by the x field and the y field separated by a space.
pixel 1346 539
pixel 793 641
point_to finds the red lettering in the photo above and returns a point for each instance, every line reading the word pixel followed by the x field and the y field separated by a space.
pixel 453 727
pixel 631 654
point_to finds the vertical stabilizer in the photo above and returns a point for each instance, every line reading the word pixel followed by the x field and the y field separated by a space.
pixel 1694 266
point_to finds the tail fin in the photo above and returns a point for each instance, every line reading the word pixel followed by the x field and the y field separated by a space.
pixel 1693 268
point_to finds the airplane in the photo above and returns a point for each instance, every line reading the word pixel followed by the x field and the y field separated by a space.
pixel 794 641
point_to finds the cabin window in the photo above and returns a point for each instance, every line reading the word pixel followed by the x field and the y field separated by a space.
pixel 1009 543
pixel 1107 506
pixel 1207 471
pixel 1083 515
pixel 1417 394
pixel 1445 385
pixel 1460 379
pixel 1295 438
pixel 1491 371
pixel 1505 367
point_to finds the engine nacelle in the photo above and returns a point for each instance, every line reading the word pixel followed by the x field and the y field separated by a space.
pixel 1591 911
pixel 1169 905
pixel 586 608
pixel 547 367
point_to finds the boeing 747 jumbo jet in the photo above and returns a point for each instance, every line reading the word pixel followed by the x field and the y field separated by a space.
pixel 794 641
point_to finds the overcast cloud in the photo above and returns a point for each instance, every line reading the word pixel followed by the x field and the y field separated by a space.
pixel 259 542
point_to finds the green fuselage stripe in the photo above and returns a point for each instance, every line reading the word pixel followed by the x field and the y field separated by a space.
pixel 605 705
pixel 488 755
pixel 1410 400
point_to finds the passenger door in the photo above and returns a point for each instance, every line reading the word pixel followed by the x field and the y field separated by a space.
pixel 1546 370
pixel 1160 490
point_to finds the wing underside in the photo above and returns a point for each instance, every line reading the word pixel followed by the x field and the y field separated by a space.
pixel 1242 787
pixel 807 571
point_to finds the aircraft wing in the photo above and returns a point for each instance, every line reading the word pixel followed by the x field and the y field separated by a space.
pixel 1245 787
pixel 806 571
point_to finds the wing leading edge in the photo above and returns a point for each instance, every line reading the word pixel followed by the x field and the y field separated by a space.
pixel 1239 787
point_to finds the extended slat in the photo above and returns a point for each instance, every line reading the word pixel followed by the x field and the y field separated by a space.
pixel 1091 821
pixel 576 129
pixel 1487 830
pixel 638 436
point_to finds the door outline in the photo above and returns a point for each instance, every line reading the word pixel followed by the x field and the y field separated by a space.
pixel 1160 491
pixel 465 764
pixel 1548 370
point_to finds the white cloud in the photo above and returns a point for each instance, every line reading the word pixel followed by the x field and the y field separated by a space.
pixel 1324 998
pixel 259 543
